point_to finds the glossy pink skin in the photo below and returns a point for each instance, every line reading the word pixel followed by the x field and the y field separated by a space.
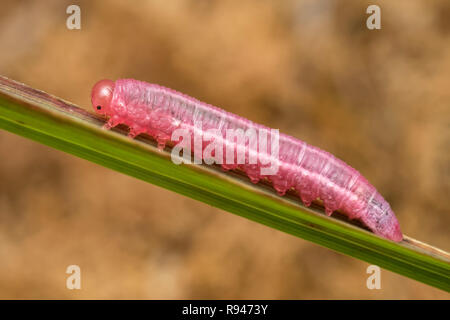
pixel 313 173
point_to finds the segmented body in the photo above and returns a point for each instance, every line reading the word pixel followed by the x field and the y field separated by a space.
pixel 312 172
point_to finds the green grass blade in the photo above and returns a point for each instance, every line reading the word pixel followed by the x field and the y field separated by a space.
pixel 53 122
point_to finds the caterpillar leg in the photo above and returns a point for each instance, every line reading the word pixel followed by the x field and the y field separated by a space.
pixel 162 139
pixel 134 131
pixel 328 211
pixel 112 122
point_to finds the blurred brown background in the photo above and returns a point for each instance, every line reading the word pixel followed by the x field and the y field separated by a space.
pixel 379 100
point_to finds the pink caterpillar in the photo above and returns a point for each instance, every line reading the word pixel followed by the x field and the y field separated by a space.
pixel 313 173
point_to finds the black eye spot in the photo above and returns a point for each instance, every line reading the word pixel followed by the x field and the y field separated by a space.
pixel 99 107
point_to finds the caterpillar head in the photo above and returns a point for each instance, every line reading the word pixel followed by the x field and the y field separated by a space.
pixel 101 96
